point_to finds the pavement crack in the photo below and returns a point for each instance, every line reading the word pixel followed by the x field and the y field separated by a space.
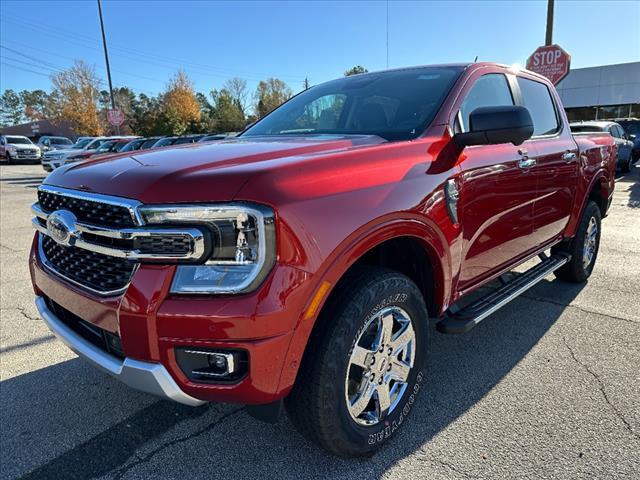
pixel 24 313
pixel 582 309
pixel 602 389
pixel 121 472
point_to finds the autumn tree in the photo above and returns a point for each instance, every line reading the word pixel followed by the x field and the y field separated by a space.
pixel 180 107
pixel 270 94
pixel 355 71
pixel 11 108
pixel 78 89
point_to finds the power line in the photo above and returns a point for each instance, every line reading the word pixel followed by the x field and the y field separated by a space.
pixel 127 52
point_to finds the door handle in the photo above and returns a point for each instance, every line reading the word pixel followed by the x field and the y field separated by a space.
pixel 569 157
pixel 527 162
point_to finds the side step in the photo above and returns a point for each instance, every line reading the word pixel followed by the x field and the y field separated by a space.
pixel 464 320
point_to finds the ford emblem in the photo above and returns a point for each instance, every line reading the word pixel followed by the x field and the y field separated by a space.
pixel 61 226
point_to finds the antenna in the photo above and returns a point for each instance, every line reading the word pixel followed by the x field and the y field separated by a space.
pixel 475 59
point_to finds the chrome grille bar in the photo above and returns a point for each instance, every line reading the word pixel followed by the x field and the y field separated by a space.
pixel 193 235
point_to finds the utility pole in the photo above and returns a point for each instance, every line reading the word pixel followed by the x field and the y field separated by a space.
pixel 106 59
pixel 549 36
pixel 387 34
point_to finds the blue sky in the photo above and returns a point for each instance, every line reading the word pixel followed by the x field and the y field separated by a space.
pixel 213 41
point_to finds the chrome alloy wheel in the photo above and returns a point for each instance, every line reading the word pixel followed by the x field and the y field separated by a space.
pixel 379 366
pixel 590 239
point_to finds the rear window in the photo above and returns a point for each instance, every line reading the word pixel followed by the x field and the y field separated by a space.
pixel 59 141
pixel 537 98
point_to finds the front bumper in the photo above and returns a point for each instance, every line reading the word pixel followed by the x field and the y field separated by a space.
pixel 145 376
pixel 152 325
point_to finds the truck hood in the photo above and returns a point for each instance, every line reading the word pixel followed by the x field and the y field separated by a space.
pixel 207 172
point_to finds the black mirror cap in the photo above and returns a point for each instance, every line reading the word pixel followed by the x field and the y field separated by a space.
pixel 495 125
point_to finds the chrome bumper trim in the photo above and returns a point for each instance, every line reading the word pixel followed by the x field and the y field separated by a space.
pixel 148 377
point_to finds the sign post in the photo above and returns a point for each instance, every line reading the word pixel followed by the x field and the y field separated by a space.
pixel 550 61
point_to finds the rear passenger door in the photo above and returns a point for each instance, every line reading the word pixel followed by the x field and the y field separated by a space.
pixel 496 192
pixel 556 156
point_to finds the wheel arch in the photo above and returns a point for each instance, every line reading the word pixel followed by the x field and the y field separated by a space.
pixel 385 245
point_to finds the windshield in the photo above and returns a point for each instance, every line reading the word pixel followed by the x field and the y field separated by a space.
pixel 95 143
pixel 133 145
pixel 59 141
pixel 148 143
pixel 164 142
pixel 395 105
pixel 19 141
pixel 81 143
pixel 631 128
pixel 106 147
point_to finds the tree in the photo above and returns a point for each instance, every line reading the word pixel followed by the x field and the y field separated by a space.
pixel 180 107
pixel 227 112
pixel 145 115
pixel 78 89
pixel 306 84
pixel 35 104
pixel 270 94
pixel 11 108
pixel 355 70
pixel 237 88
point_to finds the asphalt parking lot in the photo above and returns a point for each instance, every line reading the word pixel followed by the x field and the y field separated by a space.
pixel 548 387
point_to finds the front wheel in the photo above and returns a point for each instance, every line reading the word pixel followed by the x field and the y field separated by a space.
pixel 360 378
pixel 583 248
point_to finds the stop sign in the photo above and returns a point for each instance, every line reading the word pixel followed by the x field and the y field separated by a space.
pixel 115 117
pixel 550 61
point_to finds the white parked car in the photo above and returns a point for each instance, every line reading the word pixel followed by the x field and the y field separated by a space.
pixel 56 158
pixel 17 147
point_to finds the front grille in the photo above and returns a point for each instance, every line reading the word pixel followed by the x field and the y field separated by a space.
pixel 99 272
pixel 89 211
pixel 165 245
pixel 107 341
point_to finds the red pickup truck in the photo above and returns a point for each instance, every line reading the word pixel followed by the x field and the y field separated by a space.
pixel 299 265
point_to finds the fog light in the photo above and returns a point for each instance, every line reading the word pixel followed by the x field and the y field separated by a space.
pixel 212 365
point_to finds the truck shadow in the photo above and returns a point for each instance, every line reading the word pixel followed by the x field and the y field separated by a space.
pixel 116 431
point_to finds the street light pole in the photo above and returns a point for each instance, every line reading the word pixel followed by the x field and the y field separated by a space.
pixel 106 59
pixel 549 36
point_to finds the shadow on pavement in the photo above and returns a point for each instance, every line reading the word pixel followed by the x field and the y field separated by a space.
pixel 223 442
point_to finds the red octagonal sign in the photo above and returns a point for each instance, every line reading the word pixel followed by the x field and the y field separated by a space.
pixel 550 61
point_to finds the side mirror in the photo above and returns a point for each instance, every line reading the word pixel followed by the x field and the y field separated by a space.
pixel 495 125
pixel 632 136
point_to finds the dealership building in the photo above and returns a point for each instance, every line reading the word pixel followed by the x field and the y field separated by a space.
pixel 604 92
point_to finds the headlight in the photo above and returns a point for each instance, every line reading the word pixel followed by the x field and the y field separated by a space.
pixel 243 249
pixel 11 148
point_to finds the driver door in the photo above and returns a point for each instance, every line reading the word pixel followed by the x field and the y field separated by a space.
pixel 497 192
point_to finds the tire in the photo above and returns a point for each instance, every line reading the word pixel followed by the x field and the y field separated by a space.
pixel 583 254
pixel 7 158
pixel 330 375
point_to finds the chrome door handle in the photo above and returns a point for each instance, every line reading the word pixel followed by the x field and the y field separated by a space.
pixel 527 162
pixel 569 157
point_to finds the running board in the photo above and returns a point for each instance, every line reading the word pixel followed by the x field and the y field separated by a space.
pixel 465 319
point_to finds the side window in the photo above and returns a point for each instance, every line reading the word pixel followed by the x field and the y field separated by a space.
pixel 537 99
pixel 490 90
pixel 620 131
pixel 614 131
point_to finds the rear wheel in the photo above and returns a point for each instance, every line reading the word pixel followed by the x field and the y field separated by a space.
pixel 583 248
pixel 360 378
